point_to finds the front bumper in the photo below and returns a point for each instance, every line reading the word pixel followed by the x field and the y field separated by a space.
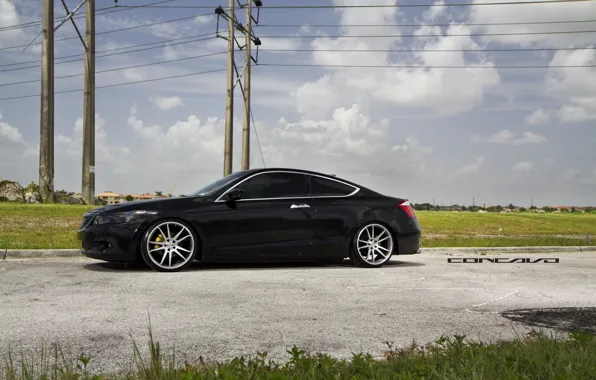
pixel 408 244
pixel 109 242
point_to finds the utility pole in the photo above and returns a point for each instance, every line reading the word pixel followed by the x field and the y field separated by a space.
pixel 246 122
pixel 46 135
pixel 88 175
pixel 229 131
pixel 232 80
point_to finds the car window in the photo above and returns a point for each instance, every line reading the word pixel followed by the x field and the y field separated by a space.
pixel 320 187
pixel 274 185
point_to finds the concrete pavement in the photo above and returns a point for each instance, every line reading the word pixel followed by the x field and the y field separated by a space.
pixel 224 311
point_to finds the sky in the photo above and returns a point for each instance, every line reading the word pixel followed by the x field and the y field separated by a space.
pixel 476 133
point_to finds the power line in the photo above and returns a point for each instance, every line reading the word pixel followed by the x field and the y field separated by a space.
pixel 436 35
pixel 116 30
pixel 254 125
pixel 388 5
pixel 424 67
pixel 120 68
pixel 121 84
pixel 113 54
pixel 421 24
pixel 109 10
pixel 428 50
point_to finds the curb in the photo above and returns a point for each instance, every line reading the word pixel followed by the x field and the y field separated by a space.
pixel 38 253
pixel 46 253
pixel 497 250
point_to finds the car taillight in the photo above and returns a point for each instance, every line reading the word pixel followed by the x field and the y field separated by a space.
pixel 407 208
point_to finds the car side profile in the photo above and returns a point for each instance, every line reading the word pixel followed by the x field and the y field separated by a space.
pixel 256 215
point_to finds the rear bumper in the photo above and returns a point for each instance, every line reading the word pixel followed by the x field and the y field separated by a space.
pixel 408 244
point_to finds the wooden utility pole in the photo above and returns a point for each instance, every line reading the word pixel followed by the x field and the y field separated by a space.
pixel 88 180
pixel 46 135
pixel 247 59
pixel 229 131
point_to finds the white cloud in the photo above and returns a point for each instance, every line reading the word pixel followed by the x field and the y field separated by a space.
pixel 506 136
pixel 569 174
pixel 471 168
pixel 524 166
pixel 527 13
pixel 167 103
pixel 423 85
pixel 9 133
pixel 540 116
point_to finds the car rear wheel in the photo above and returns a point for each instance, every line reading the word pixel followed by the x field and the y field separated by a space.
pixel 169 245
pixel 372 246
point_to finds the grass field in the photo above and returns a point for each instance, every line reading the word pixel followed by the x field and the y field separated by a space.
pixel 534 356
pixel 25 226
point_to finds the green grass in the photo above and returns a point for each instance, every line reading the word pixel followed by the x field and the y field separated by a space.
pixel 533 356
pixel 54 226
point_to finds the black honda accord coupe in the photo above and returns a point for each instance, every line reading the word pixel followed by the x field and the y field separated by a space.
pixel 256 215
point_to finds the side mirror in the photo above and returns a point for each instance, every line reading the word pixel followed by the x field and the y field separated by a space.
pixel 234 194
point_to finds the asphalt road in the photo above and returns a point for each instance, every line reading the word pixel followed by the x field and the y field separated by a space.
pixel 224 311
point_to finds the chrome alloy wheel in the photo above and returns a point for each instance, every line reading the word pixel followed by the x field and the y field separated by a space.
pixel 170 245
pixel 374 244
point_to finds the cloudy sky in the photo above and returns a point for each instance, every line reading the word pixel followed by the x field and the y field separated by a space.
pixel 415 129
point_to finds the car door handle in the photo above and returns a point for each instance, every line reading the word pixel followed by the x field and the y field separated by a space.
pixel 302 205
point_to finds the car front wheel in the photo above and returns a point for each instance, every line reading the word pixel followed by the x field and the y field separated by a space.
pixel 169 245
pixel 372 246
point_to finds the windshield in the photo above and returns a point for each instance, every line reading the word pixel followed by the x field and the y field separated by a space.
pixel 215 186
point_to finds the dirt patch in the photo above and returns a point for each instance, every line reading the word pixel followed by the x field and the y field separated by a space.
pixel 564 319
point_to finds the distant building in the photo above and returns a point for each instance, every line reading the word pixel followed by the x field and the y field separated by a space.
pixel 111 198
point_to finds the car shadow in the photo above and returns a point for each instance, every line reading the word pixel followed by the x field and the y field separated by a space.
pixel 142 267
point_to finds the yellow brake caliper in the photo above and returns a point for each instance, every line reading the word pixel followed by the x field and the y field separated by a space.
pixel 159 239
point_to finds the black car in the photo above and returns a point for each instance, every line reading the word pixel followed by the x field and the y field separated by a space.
pixel 256 215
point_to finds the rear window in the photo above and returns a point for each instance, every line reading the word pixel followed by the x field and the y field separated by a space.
pixel 326 187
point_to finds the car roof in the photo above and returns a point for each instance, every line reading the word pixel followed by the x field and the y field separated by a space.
pixel 330 176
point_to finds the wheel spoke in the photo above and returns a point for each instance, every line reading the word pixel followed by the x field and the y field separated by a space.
pixel 157 242
pixel 169 233
pixel 163 258
pixel 161 232
pixel 179 240
pixel 179 254
pixel 156 249
pixel 183 249
pixel 383 239
pixel 381 253
pixel 378 237
pixel 179 233
pixel 383 248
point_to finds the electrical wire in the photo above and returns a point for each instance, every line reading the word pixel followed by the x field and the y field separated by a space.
pixel 112 54
pixel 423 67
pixel 435 35
pixel 537 2
pixel 120 84
pixel 254 125
pixel 114 30
pixel 111 9
pixel 418 25
pixel 428 50
pixel 119 68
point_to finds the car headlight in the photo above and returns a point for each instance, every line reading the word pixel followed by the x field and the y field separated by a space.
pixel 121 217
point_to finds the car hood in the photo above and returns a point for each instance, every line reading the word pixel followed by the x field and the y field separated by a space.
pixel 150 205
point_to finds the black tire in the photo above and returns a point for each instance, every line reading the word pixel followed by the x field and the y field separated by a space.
pixel 186 245
pixel 384 245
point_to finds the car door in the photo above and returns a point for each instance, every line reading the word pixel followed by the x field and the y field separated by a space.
pixel 272 218
pixel 334 210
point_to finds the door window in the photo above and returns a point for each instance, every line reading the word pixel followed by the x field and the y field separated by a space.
pixel 322 187
pixel 274 185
